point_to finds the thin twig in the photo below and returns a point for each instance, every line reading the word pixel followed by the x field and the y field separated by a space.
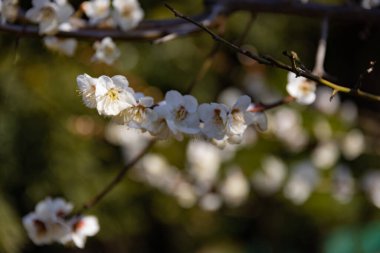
pixel 92 202
pixel 261 107
pixel 268 60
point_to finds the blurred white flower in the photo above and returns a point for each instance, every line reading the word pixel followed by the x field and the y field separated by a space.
pixel 229 96
pixel 301 183
pixel 301 89
pixel 235 188
pixel 113 95
pixel 81 228
pixel 106 51
pixel 270 178
pixel 185 194
pixel 353 144
pixel 64 46
pixel 323 102
pixel 369 4
pixel 49 14
pixel 127 13
pixel 8 10
pixel 325 155
pixel 96 10
pixel 322 129
pixel 371 184
pixel 348 112
pixel 47 224
pixel 210 202
pixel 87 87
pixel 204 162
pixel 343 184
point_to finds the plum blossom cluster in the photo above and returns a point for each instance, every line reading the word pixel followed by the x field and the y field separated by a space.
pixel 50 223
pixel 177 115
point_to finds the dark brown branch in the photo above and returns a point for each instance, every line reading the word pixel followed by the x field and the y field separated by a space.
pixel 115 180
pixel 268 60
pixel 151 30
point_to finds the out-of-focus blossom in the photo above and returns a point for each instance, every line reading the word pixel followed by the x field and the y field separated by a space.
pixel 64 46
pixel 301 183
pixel 96 10
pixel 204 161
pixel 127 13
pixel 353 144
pixel 343 184
pixel 369 4
pixel 113 95
pixel 301 89
pixel 8 10
pixel 323 102
pixel 322 129
pixel 49 14
pixel 270 178
pixel 47 223
pixel 185 194
pixel 210 202
pixel 287 125
pixel 235 188
pixel 229 96
pixel 348 112
pixel 81 228
pixel 106 51
pixel 325 155
pixel 371 184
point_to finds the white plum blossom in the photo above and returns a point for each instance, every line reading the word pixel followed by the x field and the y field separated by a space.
pixel 50 222
pixel 113 95
pixel 136 116
pixel 371 184
pixel 214 118
pixel 46 224
pixel 81 228
pixel 301 89
pixel 180 114
pixel 87 87
pixel 106 51
pixel 238 119
pixel 49 14
pixel 96 10
pixel 127 13
pixel 64 46
pixel 8 10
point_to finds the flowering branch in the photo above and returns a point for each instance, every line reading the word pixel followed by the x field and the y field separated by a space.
pixel 268 60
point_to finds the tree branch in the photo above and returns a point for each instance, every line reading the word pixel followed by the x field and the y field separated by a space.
pixel 268 60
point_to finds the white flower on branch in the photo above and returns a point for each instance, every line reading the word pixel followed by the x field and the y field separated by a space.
pixel 238 119
pixel 301 89
pixel 180 113
pixel 49 15
pixel 106 51
pixel 113 95
pixel 46 224
pixel 136 116
pixel 64 46
pixel 127 13
pixel 8 10
pixel 87 87
pixel 214 118
pixel 96 10
pixel 81 228
pixel 49 223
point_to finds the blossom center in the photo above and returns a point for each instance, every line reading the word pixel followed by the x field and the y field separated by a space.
pixel 306 87
pixel 217 118
pixel 127 11
pixel 113 94
pixel 47 13
pixel 181 113
pixel 40 227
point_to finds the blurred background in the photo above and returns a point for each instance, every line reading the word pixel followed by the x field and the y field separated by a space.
pixel 311 183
